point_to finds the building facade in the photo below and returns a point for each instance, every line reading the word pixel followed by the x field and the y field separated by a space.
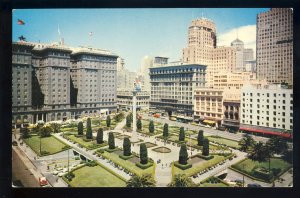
pixel 266 108
pixel 125 98
pixel 65 80
pixel 239 47
pixel 202 49
pixel 172 88
pixel 237 79
pixel 208 106
pixel 126 79
pixel 274 45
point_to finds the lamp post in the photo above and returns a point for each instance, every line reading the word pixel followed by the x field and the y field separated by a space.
pixel 40 144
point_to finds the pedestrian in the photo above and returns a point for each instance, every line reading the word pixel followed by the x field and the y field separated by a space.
pixel 56 180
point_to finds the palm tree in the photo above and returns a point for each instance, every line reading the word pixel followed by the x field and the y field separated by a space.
pixel 260 152
pixel 181 180
pixel 246 143
pixel 278 145
pixel 145 180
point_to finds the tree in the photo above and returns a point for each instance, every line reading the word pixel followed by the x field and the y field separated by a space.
pixel 200 138
pixel 128 121
pixel 181 180
pixel 89 132
pixel 181 134
pixel 46 131
pixel 166 130
pixel 139 124
pixel 277 144
pixel 111 141
pixel 205 148
pixel 143 154
pixel 99 137
pixel 108 121
pixel 24 132
pixel 145 180
pixel 288 156
pixel 80 128
pixel 126 147
pixel 151 126
pixel 55 127
pixel 183 155
pixel 260 152
pixel 246 143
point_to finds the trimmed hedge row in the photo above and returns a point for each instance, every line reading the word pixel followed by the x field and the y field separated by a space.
pixel 111 150
pixel 205 157
pixel 144 166
pixel 182 166
pixel 126 157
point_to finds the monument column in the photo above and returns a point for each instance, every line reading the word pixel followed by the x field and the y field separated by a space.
pixel 134 133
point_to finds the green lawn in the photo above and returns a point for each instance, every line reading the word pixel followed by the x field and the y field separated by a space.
pixel 49 144
pixel 127 164
pixel 250 165
pixel 89 145
pixel 199 167
pixel 220 140
pixel 95 177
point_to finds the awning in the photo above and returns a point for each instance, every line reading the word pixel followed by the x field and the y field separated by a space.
pixel 209 121
pixel 287 135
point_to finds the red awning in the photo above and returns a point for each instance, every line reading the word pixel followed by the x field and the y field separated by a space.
pixel 287 135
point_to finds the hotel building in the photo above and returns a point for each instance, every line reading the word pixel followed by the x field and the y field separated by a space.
pixel 125 98
pixel 65 79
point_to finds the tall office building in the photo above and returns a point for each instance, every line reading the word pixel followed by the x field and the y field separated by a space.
pixel 274 45
pixel 56 82
pixel 202 49
pixel 120 64
pixel 239 46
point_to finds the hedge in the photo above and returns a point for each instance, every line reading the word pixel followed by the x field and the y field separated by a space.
pixel 144 166
pixel 111 150
pixel 125 157
pixel 182 166
pixel 205 157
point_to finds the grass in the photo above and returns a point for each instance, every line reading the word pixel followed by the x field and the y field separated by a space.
pixel 250 165
pixel 195 169
pixel 95 176
pixel 49 144
pixel 227 142
pixel 127 164
pixel 89 145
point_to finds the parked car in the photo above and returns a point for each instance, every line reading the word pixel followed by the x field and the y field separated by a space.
pixel 55 172
pixel 43 181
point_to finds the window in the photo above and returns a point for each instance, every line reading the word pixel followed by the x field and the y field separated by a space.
pixel 274 94
pixel 274 112
pixel 283 95
pixel 267 106
pixel 283 113
pixel 257 123
pixel 274 125
pixel 274 106
pixel 283 126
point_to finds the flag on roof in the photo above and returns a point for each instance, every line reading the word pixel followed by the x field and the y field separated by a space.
pixel 20 22
pixel 91 34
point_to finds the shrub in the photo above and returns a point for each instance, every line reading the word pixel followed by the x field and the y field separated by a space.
pixel 89 133
pixel 182 166
pixel 181 134
pixel 144 166
pixel 261 173
pixel 151 126
pixel 205 149
pixel 128 121
pixel 80 128
pixel 99 137
pixel 139 124
pixel 200 138
pixel 126 147
pixel 77 158
pixel 45 153
pixel 119 117
pixel 108 121
pixel 24 133
pixel 56 127
pixel 111 141
pixel 70 176
pixel 91 163
pixel 276 171
pixel 206 157
pixel 183 154
pixel 166 130
pixel 46 131
pixel 143 153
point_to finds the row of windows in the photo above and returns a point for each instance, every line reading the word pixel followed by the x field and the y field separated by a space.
pixel 268 95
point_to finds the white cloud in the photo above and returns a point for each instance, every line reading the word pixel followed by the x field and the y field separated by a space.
pixel 246 33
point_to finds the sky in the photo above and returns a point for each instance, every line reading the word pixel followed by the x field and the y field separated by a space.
pixel 134 33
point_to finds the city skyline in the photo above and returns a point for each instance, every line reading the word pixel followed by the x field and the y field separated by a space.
pixel 133 33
